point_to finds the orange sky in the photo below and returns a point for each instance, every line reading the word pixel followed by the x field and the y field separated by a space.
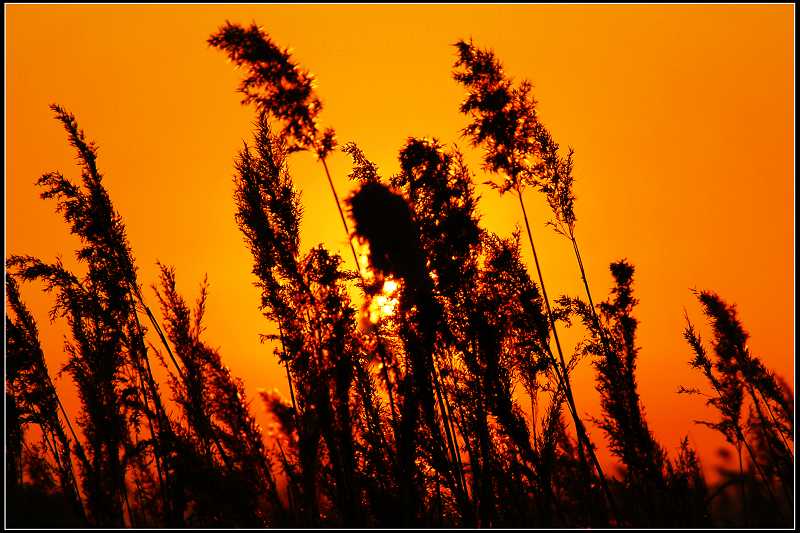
pixel 681 118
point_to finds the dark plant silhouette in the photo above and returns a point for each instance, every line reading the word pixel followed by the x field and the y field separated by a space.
pixel 218 423
pixel 280 89
pixel 650 479
pixel 132 460
pixel 505 123
pixel 107 355
pixel 427 388
pixel 276 85
pixel 31 399
pixel 739 380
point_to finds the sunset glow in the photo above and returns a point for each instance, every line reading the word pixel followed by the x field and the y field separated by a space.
pixel 384 304
pixel 681 118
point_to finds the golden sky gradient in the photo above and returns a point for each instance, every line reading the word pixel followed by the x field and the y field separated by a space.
pixel 681 118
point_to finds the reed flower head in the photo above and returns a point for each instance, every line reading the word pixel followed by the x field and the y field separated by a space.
pixel 276 85
pixel 504 117
pixel 384 219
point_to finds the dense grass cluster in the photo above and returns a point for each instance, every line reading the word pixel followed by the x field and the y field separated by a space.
pixel 454 409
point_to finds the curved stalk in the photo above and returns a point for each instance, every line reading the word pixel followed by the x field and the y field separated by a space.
pixel 341 215
pixel 562 371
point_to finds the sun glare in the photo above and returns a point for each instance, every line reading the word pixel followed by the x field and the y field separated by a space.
pixel 384 304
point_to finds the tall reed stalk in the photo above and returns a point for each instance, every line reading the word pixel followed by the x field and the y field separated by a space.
pixel 505 123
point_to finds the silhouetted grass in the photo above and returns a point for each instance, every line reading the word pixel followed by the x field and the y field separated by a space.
pixel 411 417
